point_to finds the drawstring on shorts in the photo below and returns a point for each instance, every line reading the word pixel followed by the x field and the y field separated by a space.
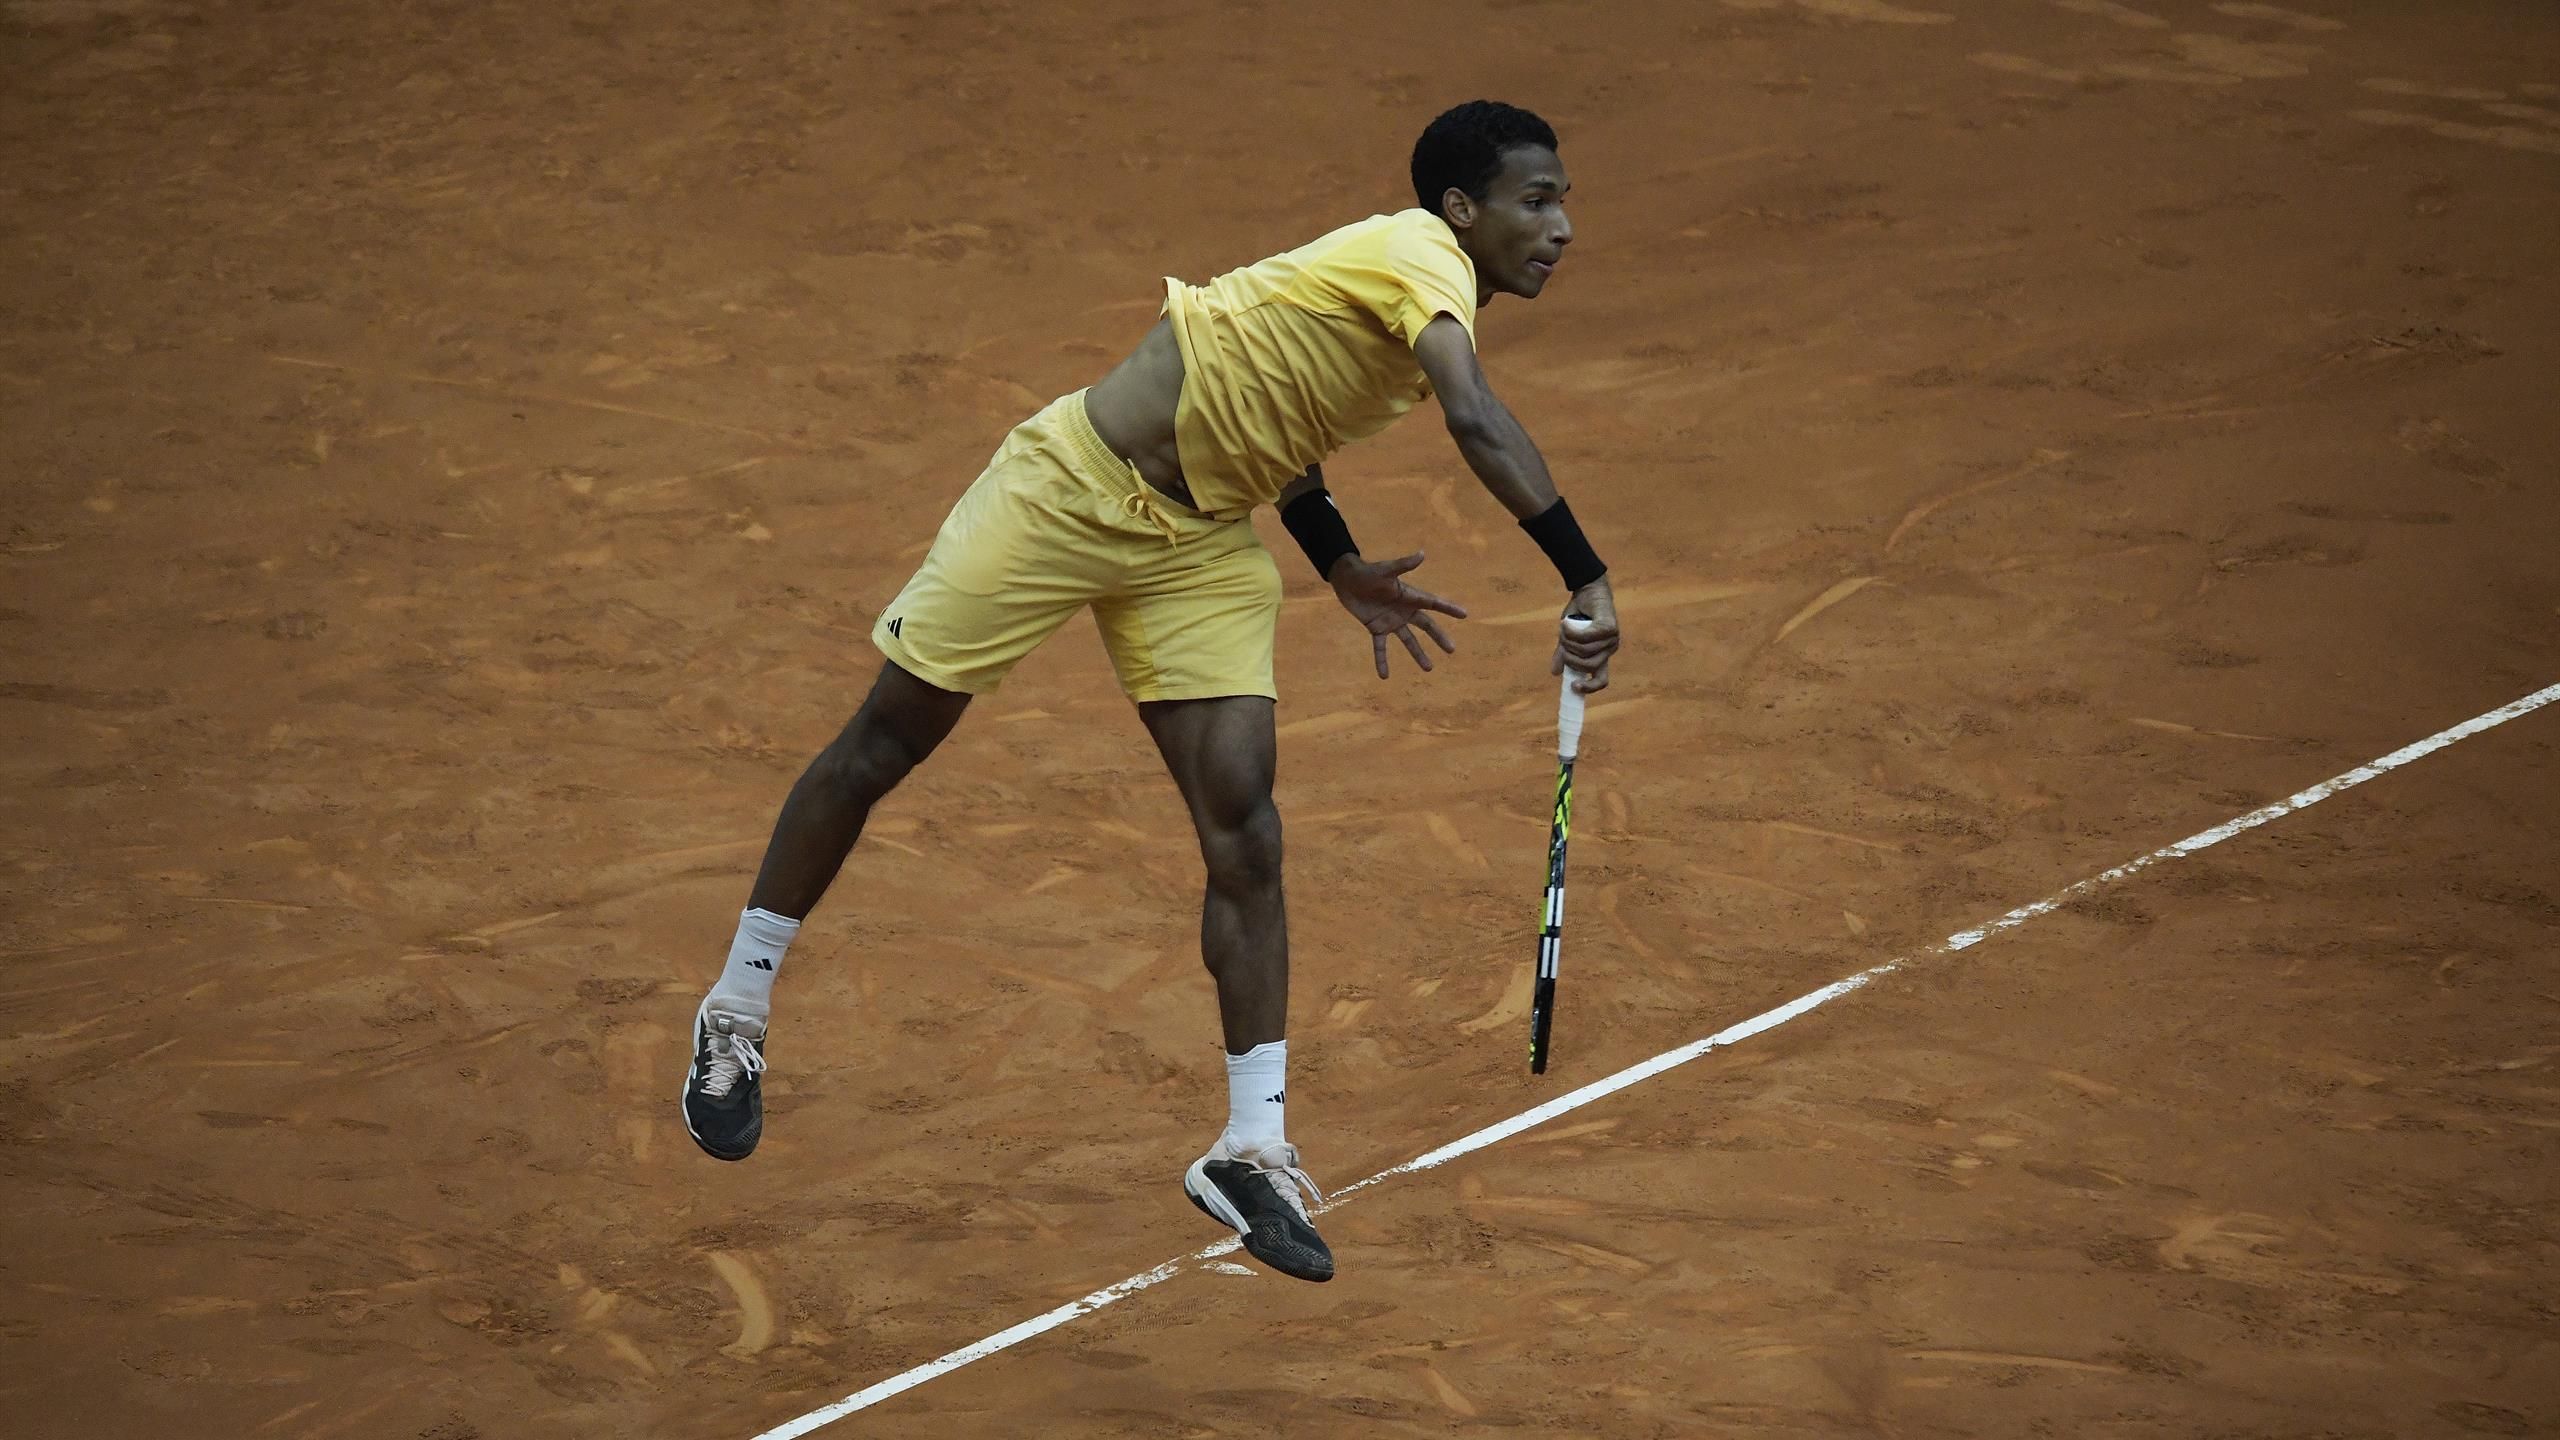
pixel 1143 502
pixel 1139 504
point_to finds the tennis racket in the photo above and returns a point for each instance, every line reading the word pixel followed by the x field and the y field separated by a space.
pixel 1542 1007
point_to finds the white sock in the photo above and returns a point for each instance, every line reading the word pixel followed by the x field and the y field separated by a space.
pixel 745 986
pixel 1257 1082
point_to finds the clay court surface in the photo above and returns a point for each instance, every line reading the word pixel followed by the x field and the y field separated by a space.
pixel 454 455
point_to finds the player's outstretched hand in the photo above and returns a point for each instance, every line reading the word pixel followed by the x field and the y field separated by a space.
pixel 1378 596
pixel 1587 636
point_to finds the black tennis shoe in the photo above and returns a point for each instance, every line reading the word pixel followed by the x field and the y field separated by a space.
pixel 1257 1194
pixel 724 1089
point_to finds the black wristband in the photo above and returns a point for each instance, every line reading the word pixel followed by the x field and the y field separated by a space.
pixel 1556 533
pixel 1318 528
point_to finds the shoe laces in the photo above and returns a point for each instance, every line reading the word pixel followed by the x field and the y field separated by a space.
pixel 1286 1177
pixel 732 1054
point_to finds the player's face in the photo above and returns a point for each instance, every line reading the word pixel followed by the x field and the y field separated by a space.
pixel 1520 228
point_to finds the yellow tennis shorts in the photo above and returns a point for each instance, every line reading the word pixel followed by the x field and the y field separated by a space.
pixel 1186 602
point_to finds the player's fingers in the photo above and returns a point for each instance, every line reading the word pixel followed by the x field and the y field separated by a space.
pixel 1432 628
pixel 1421 599
pixel 1421 656
pixel 1556 665
pixel 1589 682
pixel 1403 563
pixel 1378 651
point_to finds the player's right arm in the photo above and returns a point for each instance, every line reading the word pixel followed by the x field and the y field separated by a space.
pixel 1488 435
pixel 1506 461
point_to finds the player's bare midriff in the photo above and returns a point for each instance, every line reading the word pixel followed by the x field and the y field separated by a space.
pixel 1132 410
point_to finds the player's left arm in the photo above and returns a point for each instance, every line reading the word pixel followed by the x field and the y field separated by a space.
pixel 1498 449
pixel 1376 593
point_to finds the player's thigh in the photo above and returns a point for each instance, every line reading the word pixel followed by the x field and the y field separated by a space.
pixel 1012 563
pixel 1224 756
pixel 1198 623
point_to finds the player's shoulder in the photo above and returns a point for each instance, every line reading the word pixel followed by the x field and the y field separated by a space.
pixel 1402 232
pixel 1414 232
pixel 1419 241
pixel 1418 225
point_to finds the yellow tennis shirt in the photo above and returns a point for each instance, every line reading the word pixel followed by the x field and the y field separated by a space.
pixel 1289 360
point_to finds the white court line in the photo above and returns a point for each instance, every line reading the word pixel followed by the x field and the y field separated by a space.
pixel 1671 1059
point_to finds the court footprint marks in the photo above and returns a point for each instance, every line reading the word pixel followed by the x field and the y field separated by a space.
pixel 2221 55
pixel 2533 127
pixel 637 1055
pixel 2124 15
pixel 2534 137
pixel 2236 556
pixel 2030 67
pixel 1873 11
pixel 2376 358
pixel 2414 90
pixel 365 1267
pixel 1457 846
pixel 2435 441
pixel 593 1308
pixel 2295 19
pixel 2237 1247
pixel 2190 57
pixel 2319 510
pixel 2476 1418
pixel 2201 59
pixel 755 1307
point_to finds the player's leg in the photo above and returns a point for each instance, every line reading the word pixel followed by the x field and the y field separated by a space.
pixel 1222 753
pixel 1190 632
pixel 1191 638
pixel 899 724
pixel 1004 573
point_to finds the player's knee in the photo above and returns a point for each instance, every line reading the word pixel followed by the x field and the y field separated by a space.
pixel 867 762
pixel 1243 850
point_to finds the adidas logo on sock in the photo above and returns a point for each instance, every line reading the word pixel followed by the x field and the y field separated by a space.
pixel 759 963
pixel 1275 1099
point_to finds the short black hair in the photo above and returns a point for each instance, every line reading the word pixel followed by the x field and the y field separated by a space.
pixel 1465 145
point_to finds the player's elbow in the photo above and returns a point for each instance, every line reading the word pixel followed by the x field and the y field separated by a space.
pixel 1473 423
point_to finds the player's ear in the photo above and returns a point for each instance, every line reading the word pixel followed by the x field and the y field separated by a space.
pixel 1457 207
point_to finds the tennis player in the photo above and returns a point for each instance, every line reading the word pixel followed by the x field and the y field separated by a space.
pixel 1131 498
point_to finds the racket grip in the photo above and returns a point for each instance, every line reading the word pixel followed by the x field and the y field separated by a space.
pixel 1569 703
